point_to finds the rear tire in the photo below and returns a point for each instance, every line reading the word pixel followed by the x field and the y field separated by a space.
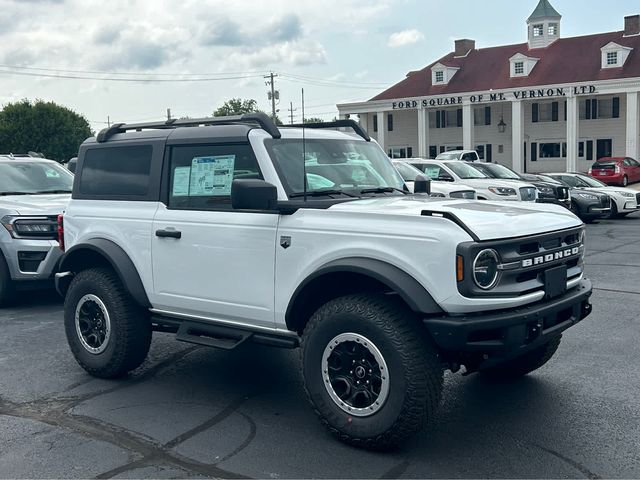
pixel 108 333
pixel 7 288
pixel 625 181
pixel 400 385
pixel 524 364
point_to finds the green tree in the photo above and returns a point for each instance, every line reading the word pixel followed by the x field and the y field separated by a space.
pixel 313 120
pixel 238 106
pixel 45 127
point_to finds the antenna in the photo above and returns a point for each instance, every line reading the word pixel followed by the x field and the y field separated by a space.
pixel 304 154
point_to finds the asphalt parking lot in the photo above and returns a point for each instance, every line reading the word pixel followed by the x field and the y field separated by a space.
pixel 196 412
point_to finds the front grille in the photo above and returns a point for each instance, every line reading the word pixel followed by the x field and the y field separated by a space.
pixel 470 194
pixel 562 193
pixel 524 261
pixel 528 194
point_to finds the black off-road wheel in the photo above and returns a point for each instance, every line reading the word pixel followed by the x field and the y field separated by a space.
pixel 7 290
pixel 108 333
pixel 524 364
pixel 371 371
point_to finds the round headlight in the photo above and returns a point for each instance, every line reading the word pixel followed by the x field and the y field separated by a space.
pixel 485 269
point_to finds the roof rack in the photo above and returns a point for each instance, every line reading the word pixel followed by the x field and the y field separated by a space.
pixel 260 118
pixel 338 123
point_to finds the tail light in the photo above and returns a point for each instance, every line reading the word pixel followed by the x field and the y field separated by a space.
pixel 61 232
pixel 617 169
pixel 590 171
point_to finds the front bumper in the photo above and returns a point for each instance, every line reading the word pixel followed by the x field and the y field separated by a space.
pixel 566 203
pixel 510 332
pixel 31 259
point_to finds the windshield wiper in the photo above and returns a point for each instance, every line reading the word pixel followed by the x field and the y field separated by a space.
pixel 318 193
pixel 15 193
pixel 51 191
pixel 383 190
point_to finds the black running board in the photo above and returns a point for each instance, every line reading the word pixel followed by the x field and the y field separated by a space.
pixel 212 335
pixel 219 336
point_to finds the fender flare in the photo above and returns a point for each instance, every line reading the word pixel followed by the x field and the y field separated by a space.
pixel 407 287
pixel 117 259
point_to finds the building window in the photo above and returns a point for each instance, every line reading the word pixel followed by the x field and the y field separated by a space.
pixel 534 112
pixel 518 68
pixel 439 76
pixel 538 30
pixel 581 149
pixel 553 29
pixel 612 58
pixel 400 152
pixel 591 109
pixel 390 122
pixel 552 150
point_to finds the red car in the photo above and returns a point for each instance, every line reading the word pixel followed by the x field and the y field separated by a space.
pixel 616 170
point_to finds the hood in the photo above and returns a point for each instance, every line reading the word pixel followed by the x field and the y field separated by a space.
pixel 494 182
pixel 614 190
pixel 487 220
pixel 448 187
pixel 35 204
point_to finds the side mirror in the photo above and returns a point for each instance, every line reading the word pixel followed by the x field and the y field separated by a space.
pixel 253 194
pixel 71 165
pixel 422 184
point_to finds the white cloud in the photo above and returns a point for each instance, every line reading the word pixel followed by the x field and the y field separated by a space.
pixel 406 37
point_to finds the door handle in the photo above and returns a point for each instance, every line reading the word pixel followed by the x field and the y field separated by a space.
pixel 169 233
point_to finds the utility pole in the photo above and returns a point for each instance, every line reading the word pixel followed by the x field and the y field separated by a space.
pixel 108 121
pixel 168 114
pixel 274 94
pixel 291 110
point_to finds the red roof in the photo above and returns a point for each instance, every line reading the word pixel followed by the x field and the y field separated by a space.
pixel 567 60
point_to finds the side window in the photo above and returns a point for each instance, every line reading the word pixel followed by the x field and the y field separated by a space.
pixel 116 171
pixel 469 157
pixel 200 176
pixel 571 181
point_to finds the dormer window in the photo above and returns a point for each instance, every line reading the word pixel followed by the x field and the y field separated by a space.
pixel 521 65
pixel 553 29
pixel 538 30
pixel 614 55
pixel 442 74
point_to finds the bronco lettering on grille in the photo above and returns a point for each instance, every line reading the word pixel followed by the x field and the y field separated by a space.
pixel 550 257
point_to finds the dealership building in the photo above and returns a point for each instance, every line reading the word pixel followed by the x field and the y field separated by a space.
pixel 548 104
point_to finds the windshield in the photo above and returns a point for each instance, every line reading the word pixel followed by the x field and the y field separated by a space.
pixel 34 177
pixel 408 172
pixel 498 171
pixel 465 170
pixel 592 182
pixel 448 156
pixel 338 165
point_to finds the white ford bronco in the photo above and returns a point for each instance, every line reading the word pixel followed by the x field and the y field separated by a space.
pixel 231 230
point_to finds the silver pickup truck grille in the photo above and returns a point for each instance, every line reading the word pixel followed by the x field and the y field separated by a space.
pixel 528 194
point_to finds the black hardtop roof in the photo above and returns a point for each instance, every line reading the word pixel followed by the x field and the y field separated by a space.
pixel 234 126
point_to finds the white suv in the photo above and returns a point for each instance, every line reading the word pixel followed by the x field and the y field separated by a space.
pixel 486 188
pixel 33 192
pixel 228 230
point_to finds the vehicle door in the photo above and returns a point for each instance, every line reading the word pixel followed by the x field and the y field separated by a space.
pixel 634 169
pixel 210 260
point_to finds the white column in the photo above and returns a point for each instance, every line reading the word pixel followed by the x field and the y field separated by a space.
pixel 572 134
pixel 467 127
pixel 633 124
pixel 517 136
pixel 380 134
pixel 423 133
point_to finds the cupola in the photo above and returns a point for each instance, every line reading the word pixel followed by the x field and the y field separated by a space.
pixel 543 25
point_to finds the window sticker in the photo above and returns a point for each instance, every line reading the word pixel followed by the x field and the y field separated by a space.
pixel 181 177
pixel 433 172
pixel 211 175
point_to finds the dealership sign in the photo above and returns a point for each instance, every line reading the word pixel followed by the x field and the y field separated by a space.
pixel 496 97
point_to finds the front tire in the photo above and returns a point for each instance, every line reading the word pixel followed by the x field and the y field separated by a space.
pixel 614 210
pixel 524 364
pixel 370 370
pixel 7 289
pixel 108 333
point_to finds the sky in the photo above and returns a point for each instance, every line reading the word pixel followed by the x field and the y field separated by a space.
pixel 131 60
